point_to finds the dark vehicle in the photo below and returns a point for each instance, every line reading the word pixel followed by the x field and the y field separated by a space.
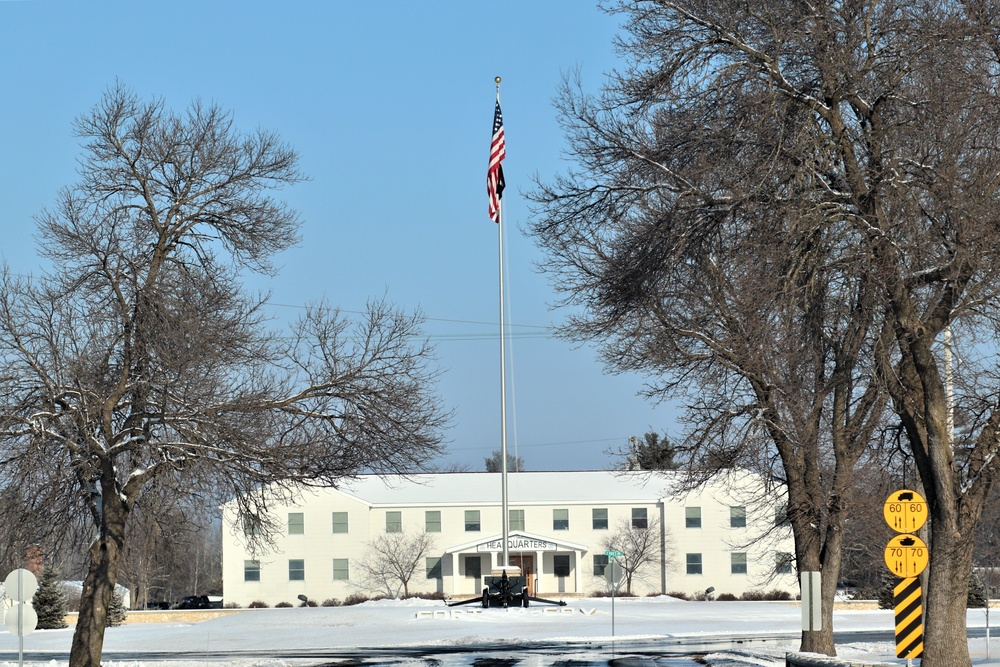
pixel 200 602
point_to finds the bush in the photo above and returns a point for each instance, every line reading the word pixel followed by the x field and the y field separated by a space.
pixel 331 602
pixel 233 605
pixel 283 605
pixel 679 595
pixel 726 597
pixel 436 595
pixel 355 598
pixel 259 604
pixel 753 596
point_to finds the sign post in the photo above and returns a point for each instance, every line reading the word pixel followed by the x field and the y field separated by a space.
pixel 21 620
pixel 613 573
pixel 907 556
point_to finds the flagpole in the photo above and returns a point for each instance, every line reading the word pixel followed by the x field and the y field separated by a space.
pixel 505 514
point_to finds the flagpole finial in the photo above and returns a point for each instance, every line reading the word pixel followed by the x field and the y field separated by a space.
pixel 497 80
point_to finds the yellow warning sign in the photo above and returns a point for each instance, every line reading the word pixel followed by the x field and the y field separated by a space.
pixel 906 555
pixel 909 619
pixel 905 511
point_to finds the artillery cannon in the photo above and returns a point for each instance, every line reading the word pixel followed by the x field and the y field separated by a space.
pixel 506 591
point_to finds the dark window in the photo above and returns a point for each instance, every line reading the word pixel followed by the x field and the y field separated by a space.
pixel 600 562
pixel 692 517
pixel 472 521
pixel 737 517
pixel 694 563
pixel 561 565
pixel 434 568
pixel 560 519
pixel 600 515
pixel 296 570
pixel 639 519
pixel 738 562
pixel 251 570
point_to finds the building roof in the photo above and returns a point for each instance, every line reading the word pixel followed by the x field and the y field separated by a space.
pixel 522 488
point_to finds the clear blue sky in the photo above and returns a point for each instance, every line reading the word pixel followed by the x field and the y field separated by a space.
pixel 390 105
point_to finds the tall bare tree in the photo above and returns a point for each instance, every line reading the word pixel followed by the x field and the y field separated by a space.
pixel 138 360
pixel 817 178
pixel 698 246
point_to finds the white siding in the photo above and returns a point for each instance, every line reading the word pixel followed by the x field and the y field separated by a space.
pixel 368 499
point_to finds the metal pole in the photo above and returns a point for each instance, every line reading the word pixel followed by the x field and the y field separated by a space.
pixel 503 387
pixel 20 616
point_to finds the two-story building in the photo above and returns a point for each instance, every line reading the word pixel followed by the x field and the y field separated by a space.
pixel 561 524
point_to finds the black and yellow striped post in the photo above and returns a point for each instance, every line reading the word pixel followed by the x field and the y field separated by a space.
pixel 909 618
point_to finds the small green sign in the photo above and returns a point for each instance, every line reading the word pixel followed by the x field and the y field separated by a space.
pixel 613 554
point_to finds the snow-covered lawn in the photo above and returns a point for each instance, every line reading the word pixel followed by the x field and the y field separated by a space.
pixel 408 623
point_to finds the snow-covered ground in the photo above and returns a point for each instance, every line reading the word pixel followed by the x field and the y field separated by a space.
pixel 392 623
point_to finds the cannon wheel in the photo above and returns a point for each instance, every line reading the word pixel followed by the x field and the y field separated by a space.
pixel 486 598
pixel 524 597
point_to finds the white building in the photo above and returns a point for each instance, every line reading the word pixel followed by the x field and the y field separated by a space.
pixel 559 525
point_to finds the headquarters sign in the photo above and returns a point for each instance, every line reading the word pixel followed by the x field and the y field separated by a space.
pixel 517 543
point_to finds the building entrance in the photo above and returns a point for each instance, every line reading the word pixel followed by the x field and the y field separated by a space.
pixel 527 564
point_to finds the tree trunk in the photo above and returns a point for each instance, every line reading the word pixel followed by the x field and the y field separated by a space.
pixel 945 641
pixel 99 585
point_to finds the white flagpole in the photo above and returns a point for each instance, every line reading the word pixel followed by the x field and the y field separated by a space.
pixel 503 388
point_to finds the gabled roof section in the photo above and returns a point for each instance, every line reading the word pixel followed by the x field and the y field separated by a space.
pixel 483 488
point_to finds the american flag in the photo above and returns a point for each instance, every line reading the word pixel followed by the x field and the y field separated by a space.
pixel 494 175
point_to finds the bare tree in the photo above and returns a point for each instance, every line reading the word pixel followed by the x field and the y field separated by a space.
pixel 820 179
pixel 640 547
pixel 138 360
pixel 392 560
pixel 695 238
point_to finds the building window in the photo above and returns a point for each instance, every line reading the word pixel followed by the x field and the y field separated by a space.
pixel 473 567
pixel 781 515
pixel 738 517
pixel 296 570
pixel 340 569
pixel 251 570
pixel 561 565
pixel 600 515
pixel 393 522
pixel 433 568
pixel 472 521
pixel 694 563
pixel 252 526
pixel 600 562
pixel 783 563
pixel 639 519
pixel 296 523
pixel 738 562
pixel 340 522
pixel 432 521
pixel 560 519
pixel 515 519
pixel 692 517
